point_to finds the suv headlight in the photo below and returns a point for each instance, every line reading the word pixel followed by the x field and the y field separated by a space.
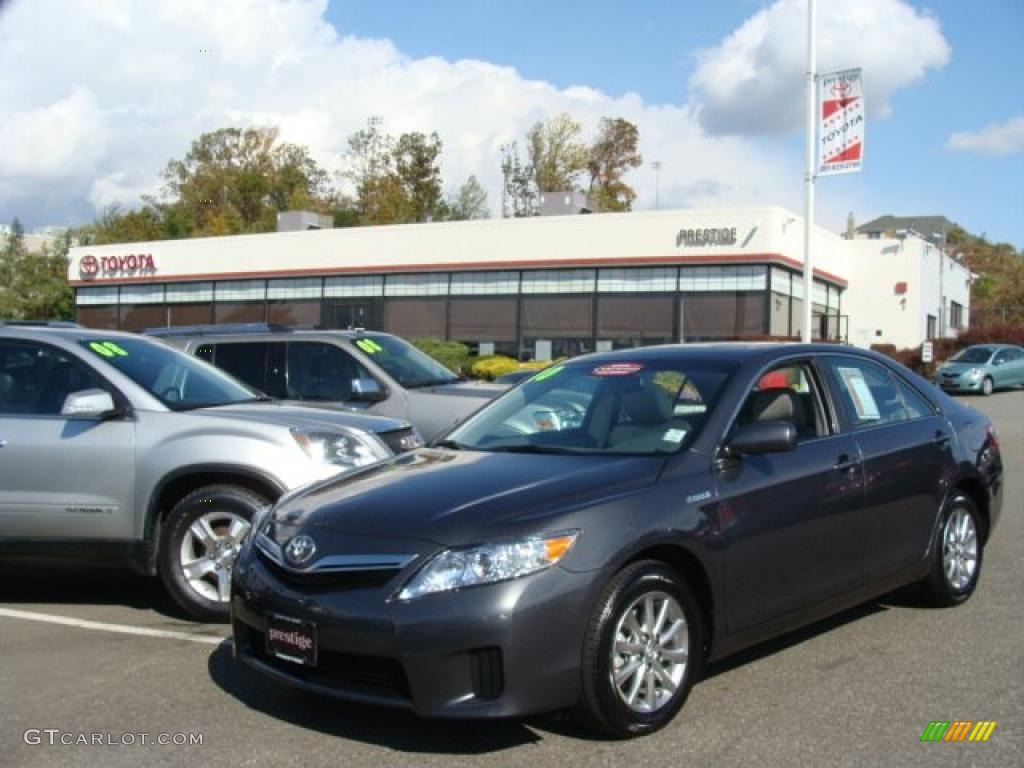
pixel 344 448
pixel 488 563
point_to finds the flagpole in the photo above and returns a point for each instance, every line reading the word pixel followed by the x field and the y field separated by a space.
pixel 806 334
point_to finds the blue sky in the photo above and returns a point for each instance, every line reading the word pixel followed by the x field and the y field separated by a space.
pixel 715 88
pixel 649 48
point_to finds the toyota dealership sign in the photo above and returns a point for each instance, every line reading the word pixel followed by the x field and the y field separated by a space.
pixel 91 267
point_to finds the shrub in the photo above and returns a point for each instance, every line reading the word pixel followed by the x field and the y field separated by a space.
pixel 997 333
pixel 451 354
pixel 493 366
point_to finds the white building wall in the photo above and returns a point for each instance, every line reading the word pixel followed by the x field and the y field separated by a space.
pixel 880 315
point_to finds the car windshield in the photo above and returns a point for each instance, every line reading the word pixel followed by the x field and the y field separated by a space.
pixel 403 362
pixel 973 355
pixel 637 408
pixel 175 379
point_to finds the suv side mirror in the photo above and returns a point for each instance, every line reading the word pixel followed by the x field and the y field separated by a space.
pixel 89 404
pixel 762 437
pixel 367 391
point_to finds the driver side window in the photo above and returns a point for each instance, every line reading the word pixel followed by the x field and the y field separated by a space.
pixel 787 393
pixel 36 380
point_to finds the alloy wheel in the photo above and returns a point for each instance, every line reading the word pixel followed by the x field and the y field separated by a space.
pixel 208 551
pixel 649 652
pixel 960 549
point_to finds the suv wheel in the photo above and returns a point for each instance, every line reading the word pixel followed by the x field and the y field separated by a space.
pixel 202 536
pixel 642 652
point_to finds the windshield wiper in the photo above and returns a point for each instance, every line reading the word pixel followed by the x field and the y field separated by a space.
pixel 530 448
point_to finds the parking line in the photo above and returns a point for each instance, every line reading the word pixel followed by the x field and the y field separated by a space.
pixel 123 629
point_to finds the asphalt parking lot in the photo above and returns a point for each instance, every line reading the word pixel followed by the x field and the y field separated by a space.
pixel 93 653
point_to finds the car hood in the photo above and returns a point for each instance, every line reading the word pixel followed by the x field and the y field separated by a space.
pixel 305 417
pixel 957 367
pixel 458 497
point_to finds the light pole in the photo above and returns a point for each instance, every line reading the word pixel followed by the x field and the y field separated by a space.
pixel 656 165
pixel 811 146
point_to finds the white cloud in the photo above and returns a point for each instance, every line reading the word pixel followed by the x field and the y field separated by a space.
pixel 752 82
pixel 121 87
pixel 1004 138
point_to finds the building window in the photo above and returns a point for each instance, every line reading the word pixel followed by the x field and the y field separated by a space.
pixel 744 278
pixel 416 285
pixel 635 321
pixel 956 315
pixel 294 312
pixel 137 317
pixel 92 296
pixel 559 281
pixel 931 327
pixel 416 318
pixel 475 320
pixel 726 315
pixel 637 280
pixel 492 283
pixel 360 285
pixel 189 293
pixel 241 290
pixel 97 317
pixel 142 294
pixel 301 288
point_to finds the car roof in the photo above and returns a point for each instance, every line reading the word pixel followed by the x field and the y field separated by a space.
pixel 50 333
pixel 738 352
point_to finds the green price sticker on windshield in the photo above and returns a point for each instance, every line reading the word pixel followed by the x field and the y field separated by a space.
pixel 107 349
pixel 369 346
pixel 547 373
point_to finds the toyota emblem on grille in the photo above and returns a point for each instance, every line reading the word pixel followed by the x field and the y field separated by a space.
pixel 299 550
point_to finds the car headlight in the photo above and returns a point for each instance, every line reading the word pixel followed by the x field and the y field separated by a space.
pixel 488 563
pixel 973 373
pixel 345 448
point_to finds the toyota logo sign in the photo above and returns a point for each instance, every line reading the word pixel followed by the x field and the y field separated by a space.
pixel 299 550
pixel 89 266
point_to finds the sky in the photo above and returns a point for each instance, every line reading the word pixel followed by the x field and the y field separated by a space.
pixel 97 95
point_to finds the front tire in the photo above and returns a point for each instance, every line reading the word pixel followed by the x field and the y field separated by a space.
pixel 642 653
pixel 202 536
pixel 987 386
pixel 958 553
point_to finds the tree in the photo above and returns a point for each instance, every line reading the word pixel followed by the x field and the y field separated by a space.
pixel 35 283
pixel 470 202
pixel 233 181
pixel 612 153
pixel 556 154
pixel 518 189
pixel 417 164
pixel 997 295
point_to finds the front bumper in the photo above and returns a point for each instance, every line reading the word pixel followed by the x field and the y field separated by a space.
pixel 499 650
pixel 959 384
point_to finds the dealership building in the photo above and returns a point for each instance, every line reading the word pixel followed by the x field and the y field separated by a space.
pixel 540 287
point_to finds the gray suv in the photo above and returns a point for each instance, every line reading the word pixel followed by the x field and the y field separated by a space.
pixel 361 369
pixel 117 449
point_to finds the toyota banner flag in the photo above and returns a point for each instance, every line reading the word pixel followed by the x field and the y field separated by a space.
pixel 841 122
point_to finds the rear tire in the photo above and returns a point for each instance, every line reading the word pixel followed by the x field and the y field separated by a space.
pixel 201 538
pixel 957 558
pixel 642 653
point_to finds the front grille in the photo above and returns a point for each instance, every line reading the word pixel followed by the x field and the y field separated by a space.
pixel 950 375
pixel 373 675
pixel 314 580
pixel 401 440
pixel 486 672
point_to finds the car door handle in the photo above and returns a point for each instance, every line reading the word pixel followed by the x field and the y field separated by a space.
pixel 941 439
pixel 846 464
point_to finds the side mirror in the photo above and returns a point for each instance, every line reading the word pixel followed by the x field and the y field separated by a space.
pixel 367 391
pixel 89 404
pixel 762 437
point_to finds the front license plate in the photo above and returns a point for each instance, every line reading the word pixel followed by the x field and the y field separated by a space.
pixel 291 639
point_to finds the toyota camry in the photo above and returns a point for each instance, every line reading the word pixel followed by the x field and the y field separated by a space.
pixel 594 536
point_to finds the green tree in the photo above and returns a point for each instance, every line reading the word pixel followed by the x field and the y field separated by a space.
pixel 556 154
pixel 469 203
pixel 518 189
pixel 417 160
pixel 612 153
pixel 35 283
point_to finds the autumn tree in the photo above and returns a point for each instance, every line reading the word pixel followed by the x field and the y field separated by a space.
pixel 613 152
pixel 556 154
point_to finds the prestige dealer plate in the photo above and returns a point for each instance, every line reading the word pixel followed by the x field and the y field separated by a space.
pixel 291 639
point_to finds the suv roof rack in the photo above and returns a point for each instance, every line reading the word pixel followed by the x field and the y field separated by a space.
pixel 214 329
pixel 42 323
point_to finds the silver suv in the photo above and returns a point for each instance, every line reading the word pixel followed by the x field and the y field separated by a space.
pixel 361 369
pixel 117 449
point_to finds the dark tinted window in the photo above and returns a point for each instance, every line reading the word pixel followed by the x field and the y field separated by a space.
pixel 205 352
pixel 245 361
pixel 37 380
pixel 320 371
pixel 973 355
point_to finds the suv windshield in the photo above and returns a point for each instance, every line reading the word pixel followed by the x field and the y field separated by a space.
pixel 623 407
pixel 178 381
pixel 973 355
pixel 403 362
